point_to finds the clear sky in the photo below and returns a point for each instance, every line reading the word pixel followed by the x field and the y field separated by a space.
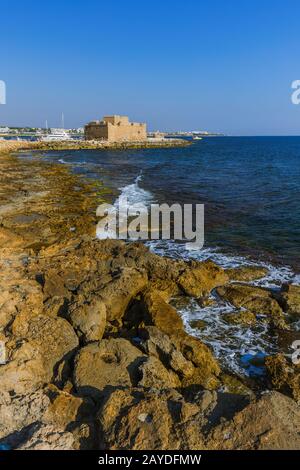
pixel 222 66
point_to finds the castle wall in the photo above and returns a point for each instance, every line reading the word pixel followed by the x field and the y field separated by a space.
pixel 96 131
pixel 116 129
pixel 131 132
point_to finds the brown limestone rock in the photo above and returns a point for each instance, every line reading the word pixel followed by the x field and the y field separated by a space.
pixel 284 376
pixel 89 320
pixel 108 364
pixel 156 343
pixel 49 406
pixel 139 420
pixel 199 279
pixel 256 300
pixel 246 273
pixel 65 409
pixel 121 290
pixel 162 315
pixel 207 368
pixel 243 318
pixel 155 375
pixel 19 300
pixel 270 423
pixel 290 299
pixel 40 345
pixel 48 437
pixel 165 288
pixel 19 411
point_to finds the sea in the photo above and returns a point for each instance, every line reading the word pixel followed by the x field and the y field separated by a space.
pixel 250 189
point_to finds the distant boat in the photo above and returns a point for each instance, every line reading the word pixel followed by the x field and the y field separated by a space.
pixel 196 137
pixel 56 135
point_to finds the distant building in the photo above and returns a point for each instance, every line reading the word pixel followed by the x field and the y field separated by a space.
pixel 4 130
pixel 115 129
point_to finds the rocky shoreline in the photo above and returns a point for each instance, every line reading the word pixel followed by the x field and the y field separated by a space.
pixel 14 145
pixel 98 358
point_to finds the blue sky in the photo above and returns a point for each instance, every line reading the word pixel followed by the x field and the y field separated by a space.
pixel 223 66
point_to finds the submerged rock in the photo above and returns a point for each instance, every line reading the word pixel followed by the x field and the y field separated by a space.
pixel 206 302
pixel 242 317
pixel 198 324
pixel 255 299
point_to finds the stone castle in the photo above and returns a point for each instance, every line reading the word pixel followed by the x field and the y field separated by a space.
pixel 115 129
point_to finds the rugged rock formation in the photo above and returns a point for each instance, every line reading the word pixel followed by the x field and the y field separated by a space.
pixel 290 299
pixel 140 419
pixel 273 422
pixel 246 273
pixel 89 320
pixel 255 299
pixel 36 349
pixel 109 364
pixel 243 317
pixel 121 290
pixel 96 357
pixel 156 343
pixel 201 278
pixel 155 375
pixel 284 375
pixel 161 314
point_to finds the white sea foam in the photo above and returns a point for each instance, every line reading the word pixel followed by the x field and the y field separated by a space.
pixel 82 163
pixel 134 194
pixel 296 279
pixel 276 276
pixel 229 342
pixel 130 195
